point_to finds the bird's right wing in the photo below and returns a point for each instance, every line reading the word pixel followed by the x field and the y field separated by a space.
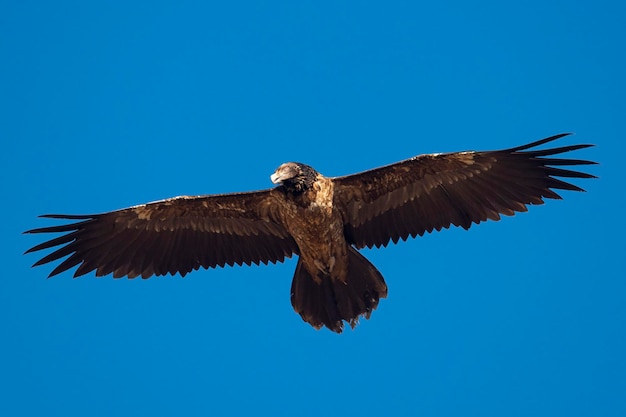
pixel 179 234
pixel 431 192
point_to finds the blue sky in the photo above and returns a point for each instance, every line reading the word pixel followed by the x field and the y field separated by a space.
pixel 112 104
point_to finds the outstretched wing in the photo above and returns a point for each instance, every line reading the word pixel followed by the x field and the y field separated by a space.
pixel 179 234
pixel 431 192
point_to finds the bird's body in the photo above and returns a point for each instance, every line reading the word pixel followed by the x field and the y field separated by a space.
pixel 333 282
pixel 312 213
pixel 323 220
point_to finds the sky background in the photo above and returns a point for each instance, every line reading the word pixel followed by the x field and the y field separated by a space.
pixel 105 105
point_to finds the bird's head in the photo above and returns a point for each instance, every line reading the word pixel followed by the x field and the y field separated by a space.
pixel 294 176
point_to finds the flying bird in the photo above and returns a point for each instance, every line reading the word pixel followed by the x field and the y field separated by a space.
pixel 322 220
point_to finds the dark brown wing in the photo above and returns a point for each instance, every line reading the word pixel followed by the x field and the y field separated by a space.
pixel 431 192
pixel 179 234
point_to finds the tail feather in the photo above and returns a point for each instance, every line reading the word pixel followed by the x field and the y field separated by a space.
pixel 332 302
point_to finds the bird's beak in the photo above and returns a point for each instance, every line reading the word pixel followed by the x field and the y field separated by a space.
pixel 275 178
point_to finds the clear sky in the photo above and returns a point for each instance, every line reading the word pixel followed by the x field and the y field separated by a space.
pixel 104 105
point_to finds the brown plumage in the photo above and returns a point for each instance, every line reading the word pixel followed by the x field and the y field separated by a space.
pixel 323 220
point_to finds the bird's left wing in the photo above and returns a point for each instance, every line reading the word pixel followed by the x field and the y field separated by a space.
pixel 179 234
pixel 431 192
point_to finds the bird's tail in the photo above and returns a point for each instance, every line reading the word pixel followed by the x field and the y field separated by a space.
pixel 331 302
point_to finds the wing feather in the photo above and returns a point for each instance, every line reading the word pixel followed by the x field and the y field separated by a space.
pixel 434 191
pixel 176 235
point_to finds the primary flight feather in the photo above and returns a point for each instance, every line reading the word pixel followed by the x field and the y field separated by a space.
pixel 323 220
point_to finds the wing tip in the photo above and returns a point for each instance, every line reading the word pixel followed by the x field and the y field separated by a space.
pixel 67 216
pixel 540 142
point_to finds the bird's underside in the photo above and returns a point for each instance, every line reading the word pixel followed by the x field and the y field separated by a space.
pixel 323 220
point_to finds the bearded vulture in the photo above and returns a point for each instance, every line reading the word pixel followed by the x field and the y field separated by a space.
pixel 322 220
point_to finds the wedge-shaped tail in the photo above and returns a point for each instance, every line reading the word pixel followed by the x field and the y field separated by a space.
pixel 332 302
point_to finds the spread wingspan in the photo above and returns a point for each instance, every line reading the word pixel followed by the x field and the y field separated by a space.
pixel 322 219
